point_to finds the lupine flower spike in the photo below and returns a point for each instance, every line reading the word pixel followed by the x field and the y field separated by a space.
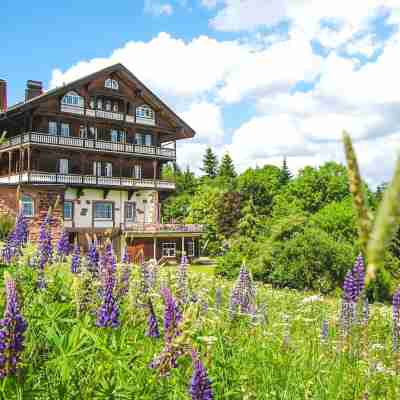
pixel 182 280
pixel 12 329
pixel 200 384
pixel 63 246
pixel 152 325
pixel 93 257
pixel 172 316
pixel 76 259
pixel 243 294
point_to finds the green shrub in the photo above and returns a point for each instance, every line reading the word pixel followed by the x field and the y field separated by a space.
pixel 6 226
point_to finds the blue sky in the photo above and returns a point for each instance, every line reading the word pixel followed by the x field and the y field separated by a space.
pixel 261 79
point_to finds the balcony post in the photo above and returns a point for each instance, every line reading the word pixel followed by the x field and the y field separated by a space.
pixel 29 159
pixel 183 245
pixel 9 162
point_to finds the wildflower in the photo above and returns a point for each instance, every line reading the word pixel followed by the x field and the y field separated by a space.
pixel 93 258
pixel 125 257
pixel 243 294
pixel 12 328
pixel 63 246
pixel 182 280
pixel 108 314
pixel 348 303
pixel 16 239
pixel 324 331
pixel 172 316
pixel 76 259
pixel 396 320
pixel 359 276
pixel 109 256
pixel 200 385
pixel 152 325
pixel 218 297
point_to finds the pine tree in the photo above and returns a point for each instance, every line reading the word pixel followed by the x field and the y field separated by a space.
pixel 286 175
pixel 227 168
pixel 210 163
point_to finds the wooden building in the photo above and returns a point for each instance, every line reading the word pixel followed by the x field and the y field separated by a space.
pixel 99 144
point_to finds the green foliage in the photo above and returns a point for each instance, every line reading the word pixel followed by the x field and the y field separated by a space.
pixel 210 163
pixel 226 167
pixel 228 213
pixel 7 223
pixel 286 175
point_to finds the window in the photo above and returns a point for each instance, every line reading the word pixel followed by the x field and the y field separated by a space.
pixel 168 249
pixel 97 168
pixel 68 209
pixel 52 127
pixel 190 248
pixel 63 166
pixel 64 129
pixel 83 132
pixel 130 211
pixel 27 206
pixel 108 169
pixel 139 139
pixel 72 99
pixel 115 107
pixel 114 136
pixel 108 105
pixel 111 84
pixel 92 132
pixel 148 140
pixel 103 210
pixel 99 104
pixel 101 168
pixel 145 112
pixel 91 103
pixel 137 171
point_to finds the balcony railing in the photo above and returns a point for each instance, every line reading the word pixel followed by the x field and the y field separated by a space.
pixel 88 144
pixel 86 180
pixel 164 228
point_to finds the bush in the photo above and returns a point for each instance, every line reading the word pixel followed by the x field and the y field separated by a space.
pixel 311 260
pixel 6 226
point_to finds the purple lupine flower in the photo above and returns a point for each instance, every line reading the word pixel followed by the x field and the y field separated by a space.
pixel 125 257
pixel 347 315
pixel 12 329
pixel 108 313
pixel 396 320
pixel 182 280
pixel 109 256
pixel 349 288
pixel 93 257
pixel 63 246
pixel 17 238
pixel 45 249
pixel 152 324
pixel 243 294
pixel 76 259
pixel 359 276
pixel 200 384
pixel 172 316
pixel 324 331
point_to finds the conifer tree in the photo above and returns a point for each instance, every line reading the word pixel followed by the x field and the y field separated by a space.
pixel 210 163
pixel 286 175
pixel 227 168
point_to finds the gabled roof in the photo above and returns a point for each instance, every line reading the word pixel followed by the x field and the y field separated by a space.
pixel 186 131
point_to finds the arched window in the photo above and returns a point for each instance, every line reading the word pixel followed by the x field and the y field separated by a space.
pixel 115 107
pixel 111 84
pixel 73 99
pixel 145 114
pixel 27 206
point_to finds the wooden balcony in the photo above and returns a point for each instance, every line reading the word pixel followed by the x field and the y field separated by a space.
pixel 180 230
pixel 44 178
pixel 88 144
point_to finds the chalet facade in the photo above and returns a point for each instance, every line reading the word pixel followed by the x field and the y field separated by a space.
pixel 99 145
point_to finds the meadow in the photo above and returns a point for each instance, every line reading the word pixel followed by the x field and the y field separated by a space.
pixel 289 346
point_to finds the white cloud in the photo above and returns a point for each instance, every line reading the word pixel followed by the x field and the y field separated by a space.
pixel 210 4
pixel 157 8
pixel 206 119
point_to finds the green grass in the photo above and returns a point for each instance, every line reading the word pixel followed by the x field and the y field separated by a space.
pixel 68 357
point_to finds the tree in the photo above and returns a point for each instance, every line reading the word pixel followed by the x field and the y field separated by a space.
pixel 210 163
pixel 227 168
pixel 286 175
pixel 186 182
pixel 228 214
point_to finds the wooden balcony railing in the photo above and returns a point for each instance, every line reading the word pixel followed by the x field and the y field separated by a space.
pixel 89 144
pixel 164 228
pixel 85 180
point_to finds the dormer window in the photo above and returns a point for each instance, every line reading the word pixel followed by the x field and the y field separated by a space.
pixel 108 105
pixel 111 84
pixel 72 99
pixel 145 114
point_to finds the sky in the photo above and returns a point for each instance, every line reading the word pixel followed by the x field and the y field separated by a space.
pixel 260 79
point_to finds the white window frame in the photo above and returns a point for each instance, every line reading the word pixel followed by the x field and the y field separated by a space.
pixel 64 129
pixel 107 215
pixel 111 84
pixel 137 171
pixel 53 128
pixel 108 169
pixel 168 249
pixel 130 211
pixel 145 112
pixel 71 210
pixel 26 204
pixel 63 166
pixel 73 99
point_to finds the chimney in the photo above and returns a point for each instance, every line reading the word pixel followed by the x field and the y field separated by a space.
pixel 33 89
pixel 3 95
